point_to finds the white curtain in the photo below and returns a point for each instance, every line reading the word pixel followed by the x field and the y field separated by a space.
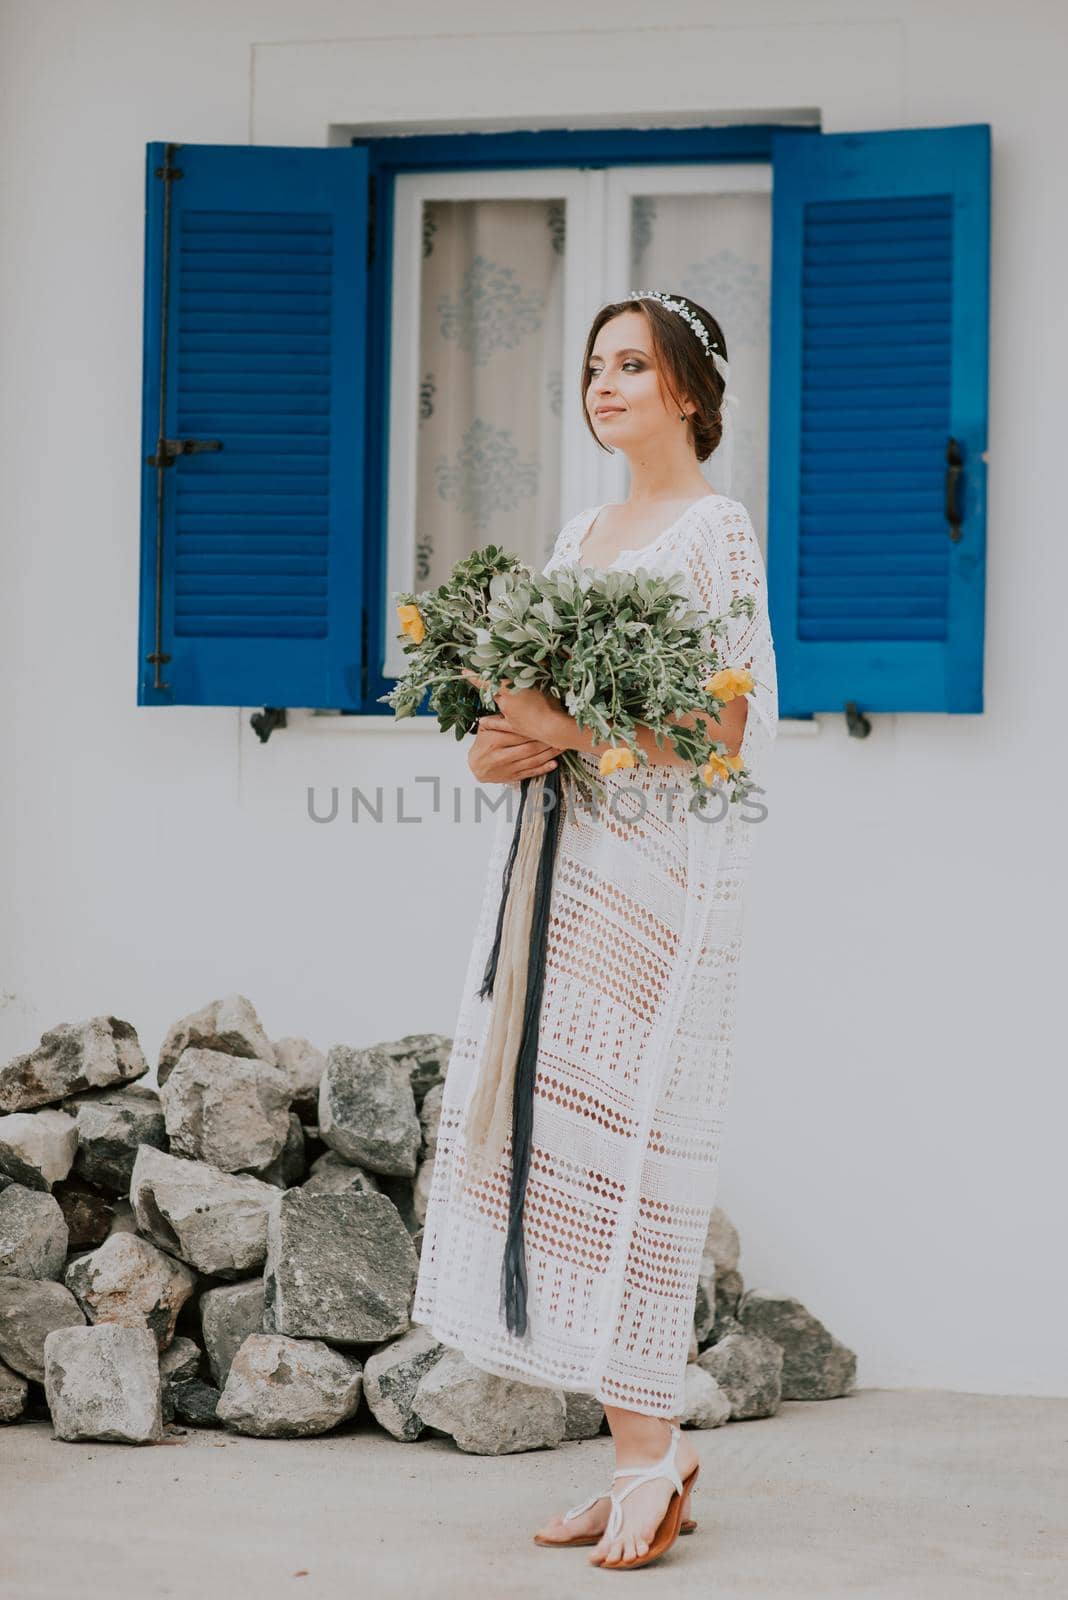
pixel 491 334
pixel 717 250
pixel 496 385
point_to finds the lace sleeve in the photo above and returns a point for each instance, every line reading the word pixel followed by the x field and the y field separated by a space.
pixel 722 559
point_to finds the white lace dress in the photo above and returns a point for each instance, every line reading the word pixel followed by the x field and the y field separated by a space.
pixel 634 1048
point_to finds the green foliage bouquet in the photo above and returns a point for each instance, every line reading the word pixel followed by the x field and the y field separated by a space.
pixel 615 649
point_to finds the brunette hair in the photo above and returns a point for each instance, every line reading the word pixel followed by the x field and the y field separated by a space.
pixel 681 355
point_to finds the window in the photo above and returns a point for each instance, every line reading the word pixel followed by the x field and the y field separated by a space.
pixel 356 370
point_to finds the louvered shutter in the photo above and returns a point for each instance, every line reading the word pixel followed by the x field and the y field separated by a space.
pixel 879 333
pixel 254 313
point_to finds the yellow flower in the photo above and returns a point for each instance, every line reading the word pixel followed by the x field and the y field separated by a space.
pixel 728 682
pixel 714 768
pixel 619 757
pixel 718 766
pixel 411 621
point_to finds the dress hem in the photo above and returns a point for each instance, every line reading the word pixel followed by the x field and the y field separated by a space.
pixel 535 1380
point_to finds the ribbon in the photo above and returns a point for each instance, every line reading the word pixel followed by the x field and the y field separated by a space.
pixel 514 978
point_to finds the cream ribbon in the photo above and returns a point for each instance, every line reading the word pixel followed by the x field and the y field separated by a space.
pixel 489 1109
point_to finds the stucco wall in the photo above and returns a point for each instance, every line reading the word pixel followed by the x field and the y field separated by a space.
pixel 899 1097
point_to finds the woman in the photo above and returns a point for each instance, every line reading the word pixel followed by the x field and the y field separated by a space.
pixel 641 963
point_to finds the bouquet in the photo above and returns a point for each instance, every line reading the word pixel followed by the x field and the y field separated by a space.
pixel 615 649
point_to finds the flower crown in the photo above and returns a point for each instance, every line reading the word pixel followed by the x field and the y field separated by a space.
pixel 683 311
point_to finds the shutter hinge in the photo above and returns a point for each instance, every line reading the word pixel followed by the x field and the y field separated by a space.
pixel 264 722
pixel 168 450
pixel 856 722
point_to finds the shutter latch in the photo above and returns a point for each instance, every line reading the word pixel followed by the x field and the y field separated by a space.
pixel 954 474
pixel 168 450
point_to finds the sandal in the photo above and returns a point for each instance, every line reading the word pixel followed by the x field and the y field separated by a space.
pixel 687 1525
pixel 669 1528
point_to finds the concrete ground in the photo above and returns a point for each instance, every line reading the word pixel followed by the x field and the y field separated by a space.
pixel 901 1494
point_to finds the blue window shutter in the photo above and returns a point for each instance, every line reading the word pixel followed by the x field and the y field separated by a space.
pixel 252 573
pixel 879 334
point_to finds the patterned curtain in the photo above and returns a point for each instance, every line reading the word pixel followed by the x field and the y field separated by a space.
pixel 495 385
pixel 491 336
pixel 717 250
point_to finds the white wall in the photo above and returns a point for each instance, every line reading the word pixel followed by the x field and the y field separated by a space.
pixel 899 1098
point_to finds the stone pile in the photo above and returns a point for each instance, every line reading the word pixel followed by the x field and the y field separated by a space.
pixel 238 1248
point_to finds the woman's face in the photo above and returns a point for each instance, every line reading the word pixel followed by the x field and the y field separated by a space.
pixel 624 399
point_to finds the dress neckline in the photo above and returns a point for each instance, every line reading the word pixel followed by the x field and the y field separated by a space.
pixel 633 550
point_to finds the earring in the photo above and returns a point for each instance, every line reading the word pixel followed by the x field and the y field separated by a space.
pixel 682 416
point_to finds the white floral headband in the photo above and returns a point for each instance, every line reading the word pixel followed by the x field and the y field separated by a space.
pixel 683 310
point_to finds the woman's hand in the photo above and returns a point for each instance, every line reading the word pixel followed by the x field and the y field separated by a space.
pixel 530 712
pixel 499 754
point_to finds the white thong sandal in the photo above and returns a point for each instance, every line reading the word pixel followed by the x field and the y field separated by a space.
pixel 687 1525
pixel 670 1524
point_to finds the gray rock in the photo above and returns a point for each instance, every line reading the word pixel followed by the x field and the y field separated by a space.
pixel 230 1025
pixel 195 1402
pixel 402 1193
pixel 722 1246
pixel 14 1391
pixel 88 1212
pixel 486 1415
pixel 286 1171
pixel 227 1316
pixel 103 1382
pixel 339 1267
pixel 705 1404
pixel 424 1057
pixel 125 1218
pixel 748 1369
pixel 30 1309
pixel 37 1147
pixel 130 1281
pixel 34 1237
pixel 71 1057
pixel 215 1221
pixel 230 1111
pixel 111 1125
pixel 583 1415
pixel 391 1376
pixel 179 1364
pixel 815 1365
pixel 367 1111
pixel 729 1290
pixel 281 1388
pixel 424 1182
pixel 304 1066
pixel 430 1120
pixel 332 1174
pixel 704 1314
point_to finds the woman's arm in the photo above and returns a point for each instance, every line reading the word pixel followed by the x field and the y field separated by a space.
pixel 567 735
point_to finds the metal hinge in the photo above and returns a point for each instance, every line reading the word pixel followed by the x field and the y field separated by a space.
pixel 168 450
pixel 263 723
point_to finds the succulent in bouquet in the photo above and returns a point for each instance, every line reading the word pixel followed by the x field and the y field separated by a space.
pixel 614 648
